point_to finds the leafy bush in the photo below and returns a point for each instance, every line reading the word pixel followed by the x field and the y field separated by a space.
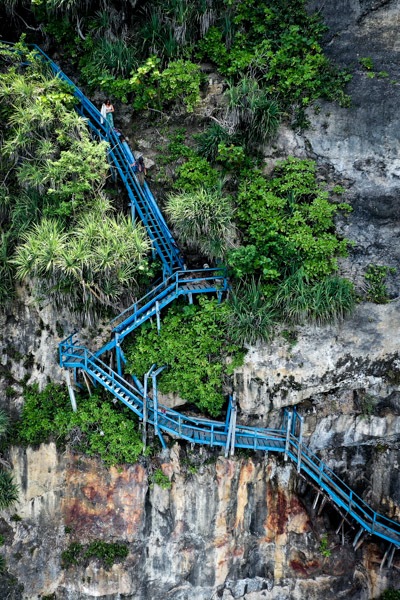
pixel 71 555
pixel 280 43
pixel 160 479
pixel 107 553
pixel 252 316
pixel 289 220
pixel 204 220
pixel 47 144
pixel 193 343
pixel 209 141
pixel 375 277
pixel 196 172
pixel 177 84
pixel 98 428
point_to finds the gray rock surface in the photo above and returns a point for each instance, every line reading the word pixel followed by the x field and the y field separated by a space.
pixel 244 528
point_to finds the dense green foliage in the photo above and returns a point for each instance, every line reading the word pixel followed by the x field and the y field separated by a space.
pixel 276 233
pixel 203 219
pixel 97 264
pixel 178 84
pixel 98 428
pixel 193 343
pixel 251 316
pixel 45 143
pixel 134 54
pixel 107 553
pixel 299 299
pixel 287 223
pixel 53 208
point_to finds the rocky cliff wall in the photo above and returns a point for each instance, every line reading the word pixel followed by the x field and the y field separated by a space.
pixel 244 527
pixel 228 528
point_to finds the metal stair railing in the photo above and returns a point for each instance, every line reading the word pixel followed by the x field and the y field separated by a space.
pixel 343 496
pixel 142 200
pixel 181 283
pixel 214 433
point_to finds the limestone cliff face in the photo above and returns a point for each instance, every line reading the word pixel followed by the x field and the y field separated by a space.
pixel 244 528
pixel 232 528
pixel 362 353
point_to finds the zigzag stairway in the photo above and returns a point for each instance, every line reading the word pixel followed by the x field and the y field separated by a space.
pixel 228 434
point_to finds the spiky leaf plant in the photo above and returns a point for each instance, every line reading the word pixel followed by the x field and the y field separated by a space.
pixel 251 316
pixel 203 219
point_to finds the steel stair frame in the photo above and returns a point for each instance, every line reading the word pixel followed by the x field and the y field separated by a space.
pixel 204 431
pixel 142 200
pixel 215 434
pixel 181 283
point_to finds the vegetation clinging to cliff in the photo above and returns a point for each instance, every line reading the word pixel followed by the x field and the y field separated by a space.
pixel 98 428
pixel 194 344
pixel 53 206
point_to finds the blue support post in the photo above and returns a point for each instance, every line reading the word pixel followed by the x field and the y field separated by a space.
pixel 155 401
pixel 289 428
pixel 118 354
pixel 228 413
pixel 158 317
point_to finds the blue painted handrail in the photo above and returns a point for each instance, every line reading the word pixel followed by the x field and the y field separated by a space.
pixel 141 198
pixel 214 433
pixel 195 430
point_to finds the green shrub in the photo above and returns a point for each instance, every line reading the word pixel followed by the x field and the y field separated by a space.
pixel 375 277
pixel 8 490
pixel 255 114
pixel 324 546
pixel 193 343
pixel 178 84
pixel 367 63
pixel 281 44
pixel 203 220
pixel 209 141
pixel 98 428
pixel 160 479
pixel 290 221
pixel 108 553
pixel 90 269
pixel 196 172
pixel 71 555
pixel 251 315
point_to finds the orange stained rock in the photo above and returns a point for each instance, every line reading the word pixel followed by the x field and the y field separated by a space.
pixel 99 499
pixel 246 476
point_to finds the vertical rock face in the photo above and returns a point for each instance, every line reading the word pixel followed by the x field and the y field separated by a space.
pixel 234 528
pixel 243 528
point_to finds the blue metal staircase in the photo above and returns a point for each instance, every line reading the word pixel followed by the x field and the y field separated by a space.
pixel 288 440
pixel 142 200
pixel 181 283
